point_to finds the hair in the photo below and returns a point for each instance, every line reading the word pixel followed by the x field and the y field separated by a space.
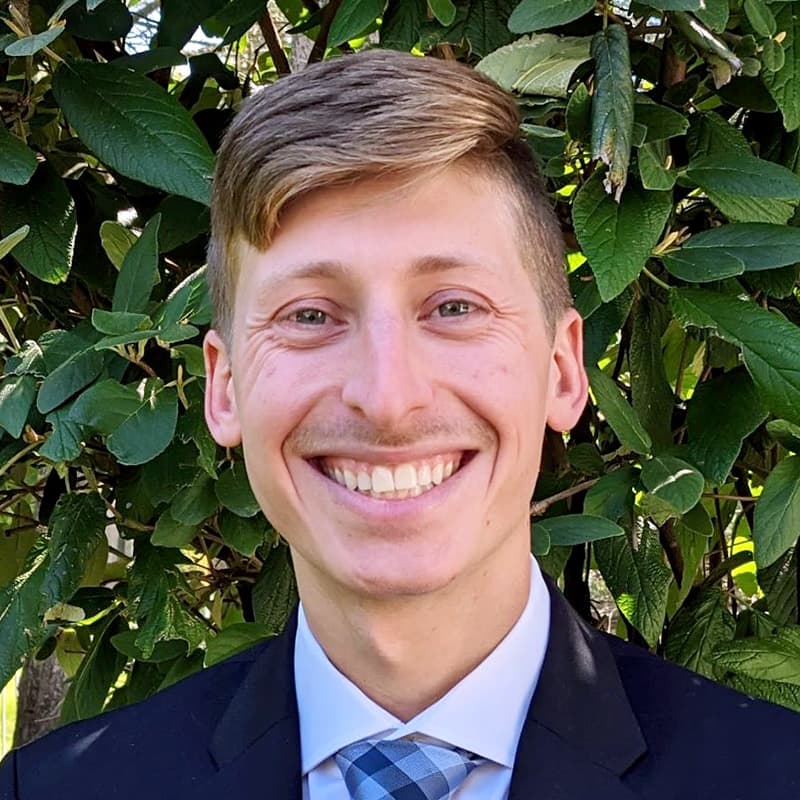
pixel 373 114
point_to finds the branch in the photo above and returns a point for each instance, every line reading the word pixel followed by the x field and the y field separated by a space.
pixel 538 507
pixel 328 13
pixel 274 44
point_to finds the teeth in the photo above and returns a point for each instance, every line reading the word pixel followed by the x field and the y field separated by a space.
pixel 387 483
pixel 382 480
pixel 423 475
pixel 405 477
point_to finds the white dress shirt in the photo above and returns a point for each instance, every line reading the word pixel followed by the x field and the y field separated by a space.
pixel 482 714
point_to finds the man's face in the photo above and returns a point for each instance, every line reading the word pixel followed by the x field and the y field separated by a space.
pixel 390 376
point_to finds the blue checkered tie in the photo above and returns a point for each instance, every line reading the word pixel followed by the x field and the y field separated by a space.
pixel 403 770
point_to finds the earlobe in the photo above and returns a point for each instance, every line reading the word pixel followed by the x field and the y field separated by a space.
pixel 568 382
pixel 222 416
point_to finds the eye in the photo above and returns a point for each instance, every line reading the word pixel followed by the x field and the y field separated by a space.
pixel 309 316
pixel 454 308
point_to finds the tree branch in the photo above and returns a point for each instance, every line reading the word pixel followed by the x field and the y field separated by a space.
pixel 274 44
pixel 328 13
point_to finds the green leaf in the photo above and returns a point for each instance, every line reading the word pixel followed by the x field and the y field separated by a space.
pixel 612 496
pixel 784 85
pixel 714 14
pixel 243 534
pixel 702 266
pixel 352 18
pixel 275 591
pixel 16 398
pixel 760 17
pixel 17 161
pixel 676 5
pixel 8 243
pixel 234 639
pixel 192 356
pixel 21 630
pixel 651 395
pixel 443 10
pixel 98 672
pixel 617 411
pixel 76 372
pixel 773 56
pixel 165 475
pixel 179 19
pixel 700 625
pixel 746 175
pixel 612 106
pixel 116 240
pixel 154 59
pixel 116 323
pixel 779 583
pixel 673 482
pixel 47 207
pixel 125 643
pixel 715 439
pixel 542 64
pixel 196 502
pixel 757 245
pixel 139 271
pixel 234 492
pixel 653 171
pixel 168 622
pixel 402 23
pixel 480 24
pixel 770 663
pixel 617 238
pixel 579 113
pixel 170 532
pixel 661 122
pixel 536 15
pixel 770 344
pixel 64 441
pixel 30 45
pixel 573 529
pixel 135 127
pixel 638 578
pixel 777 514
pixel 182 221
pixel 786 433
pixel 138 421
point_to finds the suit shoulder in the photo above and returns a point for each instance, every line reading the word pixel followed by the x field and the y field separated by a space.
pixel 665 693
pixel 178 718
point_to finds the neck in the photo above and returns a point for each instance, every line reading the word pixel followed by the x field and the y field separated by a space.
pixel 406 653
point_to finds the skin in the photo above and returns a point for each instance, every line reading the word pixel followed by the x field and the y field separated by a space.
pixel 388 323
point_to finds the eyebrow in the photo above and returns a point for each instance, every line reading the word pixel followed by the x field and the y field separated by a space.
pixel 329 268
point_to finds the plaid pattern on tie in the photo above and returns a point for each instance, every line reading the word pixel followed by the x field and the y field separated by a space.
pixel 403 770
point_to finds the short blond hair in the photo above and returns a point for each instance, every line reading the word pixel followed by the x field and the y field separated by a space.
pixel 373 114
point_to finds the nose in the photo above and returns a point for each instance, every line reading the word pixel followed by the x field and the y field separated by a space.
pixel 387 377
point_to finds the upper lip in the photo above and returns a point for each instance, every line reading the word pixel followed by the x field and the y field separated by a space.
pixel 402 456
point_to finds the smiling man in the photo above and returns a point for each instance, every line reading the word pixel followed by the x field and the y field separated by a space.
pixel 393 334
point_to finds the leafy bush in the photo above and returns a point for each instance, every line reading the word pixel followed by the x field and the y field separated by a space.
pixel 668 134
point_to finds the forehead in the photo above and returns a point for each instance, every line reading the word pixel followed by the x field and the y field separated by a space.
pixel 430 224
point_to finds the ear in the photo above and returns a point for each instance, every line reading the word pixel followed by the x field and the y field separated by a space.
pixel 222 416
pixel 568 382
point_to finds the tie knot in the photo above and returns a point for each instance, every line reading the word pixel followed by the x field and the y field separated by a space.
pixel 402 769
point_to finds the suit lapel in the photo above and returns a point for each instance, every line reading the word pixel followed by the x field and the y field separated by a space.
pixel 581 734
pixel 258 735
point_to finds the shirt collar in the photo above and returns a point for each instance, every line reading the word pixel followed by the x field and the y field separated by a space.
pixel 483 713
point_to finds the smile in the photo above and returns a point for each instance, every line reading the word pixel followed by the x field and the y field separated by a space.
pixel 395 481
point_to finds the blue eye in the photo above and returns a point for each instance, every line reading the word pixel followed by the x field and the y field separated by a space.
pixel 454 308
pixel 310 316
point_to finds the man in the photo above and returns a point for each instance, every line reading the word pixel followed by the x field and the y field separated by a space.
pixel 393 333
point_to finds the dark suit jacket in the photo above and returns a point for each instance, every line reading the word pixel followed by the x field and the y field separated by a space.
pixel 608 722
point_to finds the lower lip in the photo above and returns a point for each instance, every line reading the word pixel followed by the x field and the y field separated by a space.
pixel 369 507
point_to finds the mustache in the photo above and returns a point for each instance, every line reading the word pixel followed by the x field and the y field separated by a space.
pixel 331 435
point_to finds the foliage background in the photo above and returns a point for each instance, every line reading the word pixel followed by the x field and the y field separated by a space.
pixel 131 544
